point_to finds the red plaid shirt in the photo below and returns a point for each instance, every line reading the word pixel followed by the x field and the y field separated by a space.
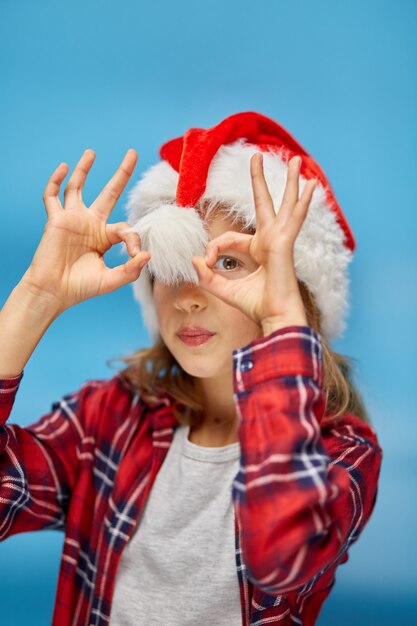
pixel 302 495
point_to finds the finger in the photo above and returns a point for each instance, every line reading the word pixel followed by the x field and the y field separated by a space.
pixel 121 275
pixel 121 231
pixel 264 206
pixel 214 283
pixel 233 240
pixel 290 196
pixel 51 193
pixel 301 209
pixel 72 193
pixel 106 200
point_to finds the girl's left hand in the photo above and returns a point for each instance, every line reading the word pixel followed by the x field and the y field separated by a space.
pixel 270 295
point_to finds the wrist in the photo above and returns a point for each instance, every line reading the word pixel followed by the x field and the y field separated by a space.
pixel 37 299
pixel 270 325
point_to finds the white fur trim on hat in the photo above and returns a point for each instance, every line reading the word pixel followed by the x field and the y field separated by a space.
pixel 174 234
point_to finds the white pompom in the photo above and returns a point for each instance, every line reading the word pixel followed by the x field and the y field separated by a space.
pixel 173 235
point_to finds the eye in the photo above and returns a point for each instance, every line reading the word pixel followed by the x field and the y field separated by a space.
pixel 229 258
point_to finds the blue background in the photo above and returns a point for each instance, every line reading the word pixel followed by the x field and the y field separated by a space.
pixel 341 77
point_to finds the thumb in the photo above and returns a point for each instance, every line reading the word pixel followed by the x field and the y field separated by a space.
pixel 214 283
pixel 202 269
pixel 121 275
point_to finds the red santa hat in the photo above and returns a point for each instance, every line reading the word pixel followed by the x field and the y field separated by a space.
pixel 213 165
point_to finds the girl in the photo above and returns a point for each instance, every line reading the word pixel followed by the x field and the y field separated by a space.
pixel 222 475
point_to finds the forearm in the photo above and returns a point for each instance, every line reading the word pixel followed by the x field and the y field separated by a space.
pixel 24 319
pixel 298 503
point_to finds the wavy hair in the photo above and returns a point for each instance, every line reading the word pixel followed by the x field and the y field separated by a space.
pixel 154 370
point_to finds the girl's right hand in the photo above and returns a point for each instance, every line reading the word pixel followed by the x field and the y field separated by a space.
pixel 68 265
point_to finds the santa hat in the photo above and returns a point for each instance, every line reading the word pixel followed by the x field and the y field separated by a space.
pixel 213 165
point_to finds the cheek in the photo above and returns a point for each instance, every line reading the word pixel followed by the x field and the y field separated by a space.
pixel 240 326
pixel 158 302
pixel 162 299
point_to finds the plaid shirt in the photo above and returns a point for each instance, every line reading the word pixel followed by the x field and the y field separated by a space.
pixel 302 495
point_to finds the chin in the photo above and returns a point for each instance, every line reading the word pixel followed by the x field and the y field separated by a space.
pixel 198 372
pixel 207 368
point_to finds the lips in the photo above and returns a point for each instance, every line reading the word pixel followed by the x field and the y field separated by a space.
pixel 194 331
pixel 194 335
pixel 196 340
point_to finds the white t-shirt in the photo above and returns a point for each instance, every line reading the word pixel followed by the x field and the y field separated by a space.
pixel 179 567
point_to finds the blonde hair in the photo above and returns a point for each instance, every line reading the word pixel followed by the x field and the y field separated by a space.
pixel 154 370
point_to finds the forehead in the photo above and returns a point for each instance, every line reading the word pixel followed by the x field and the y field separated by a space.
pixel 218 226
pixel 218 222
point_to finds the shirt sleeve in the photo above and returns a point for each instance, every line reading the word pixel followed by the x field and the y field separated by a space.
pixel 304 491
pixel 38 463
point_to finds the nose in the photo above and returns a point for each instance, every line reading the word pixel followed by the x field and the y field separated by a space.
pixel 190 296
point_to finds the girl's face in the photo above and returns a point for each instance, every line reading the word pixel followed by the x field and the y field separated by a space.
pixel 191 305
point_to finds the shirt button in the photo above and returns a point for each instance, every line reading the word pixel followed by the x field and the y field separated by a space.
pixel 246 365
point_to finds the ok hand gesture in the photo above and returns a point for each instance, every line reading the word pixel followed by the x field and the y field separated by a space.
pixel 270 295
pixel 68 265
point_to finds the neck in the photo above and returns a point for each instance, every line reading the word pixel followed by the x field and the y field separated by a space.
pixel 219 426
